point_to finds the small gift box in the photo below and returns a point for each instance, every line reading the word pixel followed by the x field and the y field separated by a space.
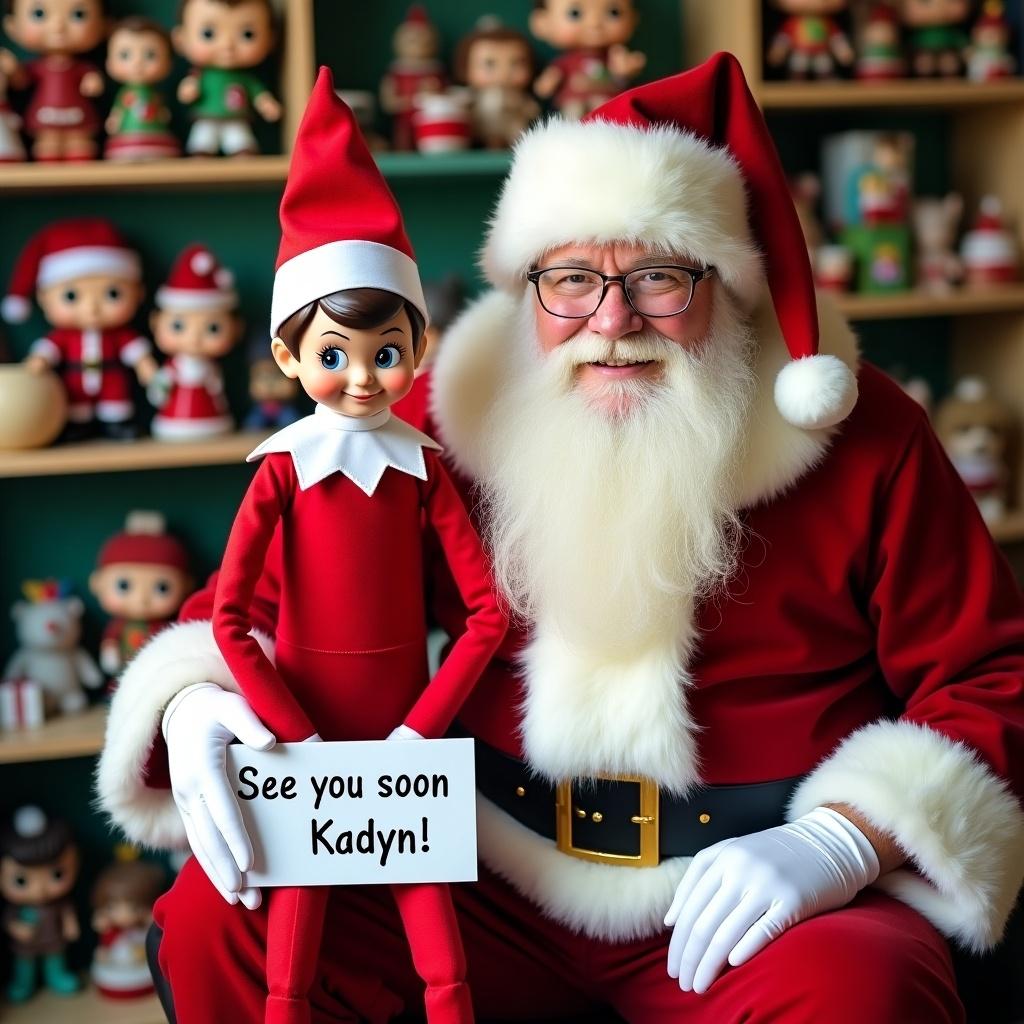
pixel 21 704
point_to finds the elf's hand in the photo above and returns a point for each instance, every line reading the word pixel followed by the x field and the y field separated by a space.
pixel 198 725
pixel 739 894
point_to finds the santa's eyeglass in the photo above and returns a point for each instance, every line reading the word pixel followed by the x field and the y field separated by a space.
pixel 576 293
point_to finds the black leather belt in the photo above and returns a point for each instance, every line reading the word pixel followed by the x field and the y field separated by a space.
pixel 626 820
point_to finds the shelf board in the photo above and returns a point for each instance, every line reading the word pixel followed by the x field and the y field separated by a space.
pixel 65 736
pixel 965 302
pixel 903 93
pixel 121 456
pixel 1009 529
pixel 87 1007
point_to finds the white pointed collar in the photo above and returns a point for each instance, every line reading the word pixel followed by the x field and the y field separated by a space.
pixel 360 448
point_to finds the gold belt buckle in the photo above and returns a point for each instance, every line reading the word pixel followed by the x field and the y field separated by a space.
pixel 646 821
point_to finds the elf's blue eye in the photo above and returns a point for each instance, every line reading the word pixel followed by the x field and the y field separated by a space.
pixel 388 357
pixel 333 359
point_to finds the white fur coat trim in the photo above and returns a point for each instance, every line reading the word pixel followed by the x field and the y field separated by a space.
pixel 178 656
pixel 959 823
pixel 614 904
pixel 472 363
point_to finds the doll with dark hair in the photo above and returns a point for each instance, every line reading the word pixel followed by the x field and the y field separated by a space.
pixel 350 488
pixel 273 394
pixel 38 869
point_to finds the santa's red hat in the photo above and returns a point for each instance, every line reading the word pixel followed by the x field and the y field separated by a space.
pixel 63 251
pixel 340 225
pixel 197 281
pixel 685 164
pixel 144 541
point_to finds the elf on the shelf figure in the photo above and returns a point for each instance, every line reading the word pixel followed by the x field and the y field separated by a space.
pixel 88 283
pixel 195 323
pixel 350 487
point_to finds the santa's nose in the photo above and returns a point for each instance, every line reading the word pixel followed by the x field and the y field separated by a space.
pixel 615 317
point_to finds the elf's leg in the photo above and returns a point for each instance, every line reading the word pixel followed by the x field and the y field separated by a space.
pixel 294 930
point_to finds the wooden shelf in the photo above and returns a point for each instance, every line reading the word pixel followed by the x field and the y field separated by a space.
pixel 1009 530
pixel 906 93
pixel 87 1007
pixel 66 736
pixel 121 456
pixel 965 302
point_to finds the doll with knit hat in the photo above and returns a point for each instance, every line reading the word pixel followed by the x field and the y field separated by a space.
pixel 350 488
pixel 195 322
pixel 87 280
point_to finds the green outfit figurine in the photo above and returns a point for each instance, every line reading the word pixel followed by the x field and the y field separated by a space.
pixel 38 869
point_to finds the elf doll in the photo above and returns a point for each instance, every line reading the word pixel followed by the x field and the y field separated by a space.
pixel 140 580
pixel 350 487
pixel 88 283
pixel 61 118
pixel 195 323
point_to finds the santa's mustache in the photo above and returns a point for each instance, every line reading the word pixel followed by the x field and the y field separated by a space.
pixel 587 347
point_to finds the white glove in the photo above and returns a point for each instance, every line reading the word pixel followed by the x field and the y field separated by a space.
pixel 404 732
pixel 198 725
pixel 159 388
pixel 741 893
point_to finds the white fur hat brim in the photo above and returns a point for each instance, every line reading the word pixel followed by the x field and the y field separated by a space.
pixel 601 182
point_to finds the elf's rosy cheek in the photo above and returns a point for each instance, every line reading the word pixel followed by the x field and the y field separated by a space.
pixel 323 386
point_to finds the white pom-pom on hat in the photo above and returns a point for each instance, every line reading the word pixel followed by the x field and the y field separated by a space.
pixel 202 262
pixel 223 278
pixel 15 309
pixel 815 392
pixel 29 822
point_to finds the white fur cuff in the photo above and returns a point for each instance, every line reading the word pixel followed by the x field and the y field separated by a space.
pixel 179 656
pixel 957 821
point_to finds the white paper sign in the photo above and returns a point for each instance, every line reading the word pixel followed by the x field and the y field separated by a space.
pixel 358 813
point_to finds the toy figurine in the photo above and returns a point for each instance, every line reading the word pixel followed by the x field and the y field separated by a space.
pixel 88 283
pixel 989 250
pixel 809 41
pixel 833 267
pixel 935 230
pixel 414 71
pixel 60 117
pixel 273 394
pixel 38 870
pixel 195 323
pixel 975 429
pixel 596 64
pixel 122 900
pixel 936 34
pixel 988 55
pixel 351 489
pixel 139 57
pixel 224 40
pixel 806 191
pixel 48 627
pixel 441 121
pixel 445 300
pixel 497 63
pixel 140 580
pixel 11 148
pixel 879 48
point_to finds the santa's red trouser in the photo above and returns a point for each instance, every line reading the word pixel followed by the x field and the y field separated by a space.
pixel 875 960
pixel 295 926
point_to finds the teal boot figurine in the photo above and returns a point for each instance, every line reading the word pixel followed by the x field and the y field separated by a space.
pixel 57 976
pixel 23 979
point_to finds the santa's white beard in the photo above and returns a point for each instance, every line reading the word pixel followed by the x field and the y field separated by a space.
pixel 608 516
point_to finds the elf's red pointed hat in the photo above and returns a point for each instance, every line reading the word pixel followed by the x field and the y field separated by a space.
pixel 340 225
pixel 684 164
pixel 62 251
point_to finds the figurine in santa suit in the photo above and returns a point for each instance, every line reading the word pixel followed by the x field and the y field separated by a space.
pixel 88 283
pixel 195 323
pixel 755 748
pixel 414 71
pixel 349 488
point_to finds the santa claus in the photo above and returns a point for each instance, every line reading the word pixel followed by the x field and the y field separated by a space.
pixel 754 751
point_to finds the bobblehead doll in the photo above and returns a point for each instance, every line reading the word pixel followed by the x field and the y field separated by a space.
pixel 595 64
pixel 273 394
pixel 415 71
pixel 809 42
pixel 936 36
pixel 140 580
pixel 195 323
pixel 88 283
pixel 38 869
pixel 879 47
pixel 988 56
pixel 497 64
pixel 61 119
pixel 122 901
pixel 351 489
pixel 138 127
pixel 224 40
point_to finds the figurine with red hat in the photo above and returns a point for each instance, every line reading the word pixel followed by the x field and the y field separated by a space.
pixel 809 42
pixel 988 55
pixel 140 580
pixel 87 280
pixel 989 249
pixel 415 70
pixel 349 487
pixel 195 323
pixel 879 48
pixel 61 118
